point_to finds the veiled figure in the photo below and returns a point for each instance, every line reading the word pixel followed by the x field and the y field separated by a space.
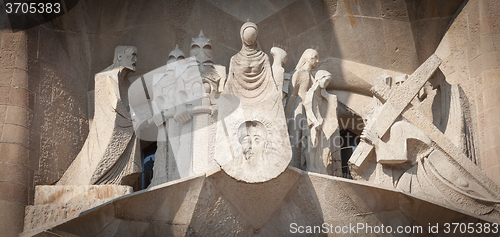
pixel 252 140
pixel 250 74
pixel 111 153
pixel 321 111
pixel 295 111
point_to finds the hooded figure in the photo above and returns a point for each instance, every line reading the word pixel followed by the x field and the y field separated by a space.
pixel 250 74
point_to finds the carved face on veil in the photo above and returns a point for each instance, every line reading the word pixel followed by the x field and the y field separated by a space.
pixel 252 137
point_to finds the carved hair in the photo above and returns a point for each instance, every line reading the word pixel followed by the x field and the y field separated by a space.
pixel 256 126
pixel 320 74
pixel 308 53
pixel 278 54
pixel 120 51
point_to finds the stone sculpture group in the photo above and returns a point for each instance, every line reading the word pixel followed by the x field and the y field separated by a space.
pixel 247 122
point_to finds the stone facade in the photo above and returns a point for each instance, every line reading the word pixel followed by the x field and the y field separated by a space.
pixel 47 73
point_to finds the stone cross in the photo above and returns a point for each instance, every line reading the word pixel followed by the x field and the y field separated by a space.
pixel 395 106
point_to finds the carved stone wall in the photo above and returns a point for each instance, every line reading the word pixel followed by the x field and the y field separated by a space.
pixel 46 71
pixel 470 50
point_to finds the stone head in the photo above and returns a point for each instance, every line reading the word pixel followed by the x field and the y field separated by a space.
pixel 201 49
pixel 309 59
pixel 175 55
pixel 252 136
pixel 279 55
pixel 125 56
pixel 249 34
pixel 323 78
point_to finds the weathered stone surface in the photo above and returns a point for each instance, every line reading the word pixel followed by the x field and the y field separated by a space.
pixel 396 34
pixel 40 217
pixel 51 194
pixel 224 206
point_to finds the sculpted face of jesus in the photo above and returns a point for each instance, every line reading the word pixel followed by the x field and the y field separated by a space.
pixel 252 137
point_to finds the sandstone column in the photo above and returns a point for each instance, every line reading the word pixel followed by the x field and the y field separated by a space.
pixel 484 64
pixel 17 139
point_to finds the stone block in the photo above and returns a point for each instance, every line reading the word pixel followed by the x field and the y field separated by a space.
pixel 491 137
pixel 14 193
pixel 376 51
pixel 50 194
pixel 7 59
pixel 40 216
pixel 20 79
pixel 489 8
pixel 12 41
pixel 490 158
pixel 429 9
pixel 3 113
pixel 4 94
pixel 6 76
pixel 476 65
pixel 394 10
pixel 16 134
pixel 16 174
pixel 89 223
pixel 14 153
pixel 400 46
pixel 347 40
pixel 493 173
pixel 491 98
pixel 19 116
pixel 22 97
pixel 491 117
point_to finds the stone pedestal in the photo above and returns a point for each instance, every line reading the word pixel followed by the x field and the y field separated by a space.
pixel 56 204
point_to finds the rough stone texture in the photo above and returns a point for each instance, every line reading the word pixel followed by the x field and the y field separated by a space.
pixel 51 194
pixel 40 217
pixel 65 53
pixel 218 205
pixel 469 50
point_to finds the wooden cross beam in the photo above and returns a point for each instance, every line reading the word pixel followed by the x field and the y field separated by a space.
pixel 395 106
